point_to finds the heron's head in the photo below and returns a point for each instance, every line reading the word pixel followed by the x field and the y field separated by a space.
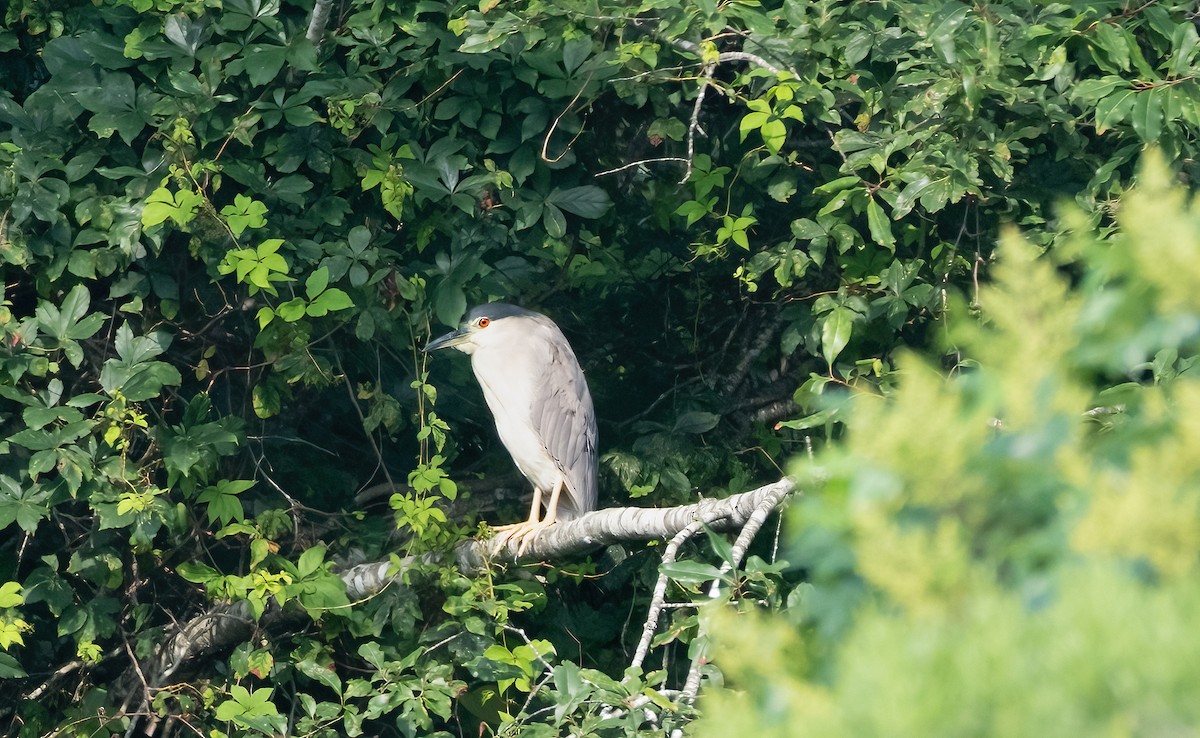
pixel 485 326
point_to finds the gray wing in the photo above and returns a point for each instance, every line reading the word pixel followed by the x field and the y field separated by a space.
pixel 564 418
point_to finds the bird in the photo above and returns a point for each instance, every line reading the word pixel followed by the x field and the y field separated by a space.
pixel 539 398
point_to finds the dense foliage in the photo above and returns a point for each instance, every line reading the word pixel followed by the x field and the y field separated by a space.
pixel 226 227
pixel 1012 549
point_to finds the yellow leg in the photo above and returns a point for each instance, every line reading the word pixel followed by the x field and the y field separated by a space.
pixel 552 508
pixel 535 510
pixel 530 529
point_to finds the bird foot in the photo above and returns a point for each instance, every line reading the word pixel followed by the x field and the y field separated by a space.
pixel 524 533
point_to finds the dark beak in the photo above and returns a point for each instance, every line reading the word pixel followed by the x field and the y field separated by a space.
pixel 451 339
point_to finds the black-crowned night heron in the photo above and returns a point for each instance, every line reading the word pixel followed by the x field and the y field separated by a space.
pixel 536 391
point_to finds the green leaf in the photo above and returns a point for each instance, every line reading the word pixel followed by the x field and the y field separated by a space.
pixel 1185 44
pixel 245 212
pixel 907 198
pixel 329 301
pixel 117 105
pixel 1147 115
pixel 696 421
pixel 857 47
pixel 292 310
pixel 162 204
pixel 10 595
pixel 1089 91
pixel 322 674
pixel 554 221
pixel 1114 108
pixel 691 572
pixel 881 228
pixel 752 122
pixel 222 501
pixel 815 420
pixel 1113 40
pixel 693 210
pixel 587 201
pixel 806 229
pixel 449 302
pixel 774 134
pixel 135 374
pixel 316 282
pixel 10 668
pixel 836 328
pixel 266 400
pixel 946 29
pixel 837 185
pixel 197 573
pixel 260 62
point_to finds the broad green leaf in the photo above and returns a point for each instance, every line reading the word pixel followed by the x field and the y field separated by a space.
pixel 1115 43
pixel 881 228
pixel 836 328
pixel 323 674
pixel 774 133
pixel 857 47
pixel 10 595
pixel 292 310
pixel 316 282
pixel 696 421
pixel 311 560
pixel 449 302
pixel 329 301
pixel 10 668
pixel 946 29
pixel 1147 115
pixel 1092 90
pixel 554 221
pixel 815 420
pixel 587 201
pixel 1112 109
pixel 691 572
pixel 196 572
pixel 907 198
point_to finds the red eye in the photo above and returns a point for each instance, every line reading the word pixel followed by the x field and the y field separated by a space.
pixel 484 322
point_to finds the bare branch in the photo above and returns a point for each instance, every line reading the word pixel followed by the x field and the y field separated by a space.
pixel 694 124
pixel 316 24
pixel 639 163
pixel 768 505
pixel 226 625
pixel 625 524
pixel 660 589
pixel 755 59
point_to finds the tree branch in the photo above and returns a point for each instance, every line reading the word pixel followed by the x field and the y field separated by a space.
pixel 316 24
pixel 226 625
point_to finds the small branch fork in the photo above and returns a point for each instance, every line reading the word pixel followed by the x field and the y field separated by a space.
pixel 659 598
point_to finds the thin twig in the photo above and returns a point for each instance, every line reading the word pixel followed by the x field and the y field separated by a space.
pixel 547 669
pixel 638 163
pixel 380 465
pixel 706 76
pixel 557 120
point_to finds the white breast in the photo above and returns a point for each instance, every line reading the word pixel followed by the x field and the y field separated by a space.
pixel 509 388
